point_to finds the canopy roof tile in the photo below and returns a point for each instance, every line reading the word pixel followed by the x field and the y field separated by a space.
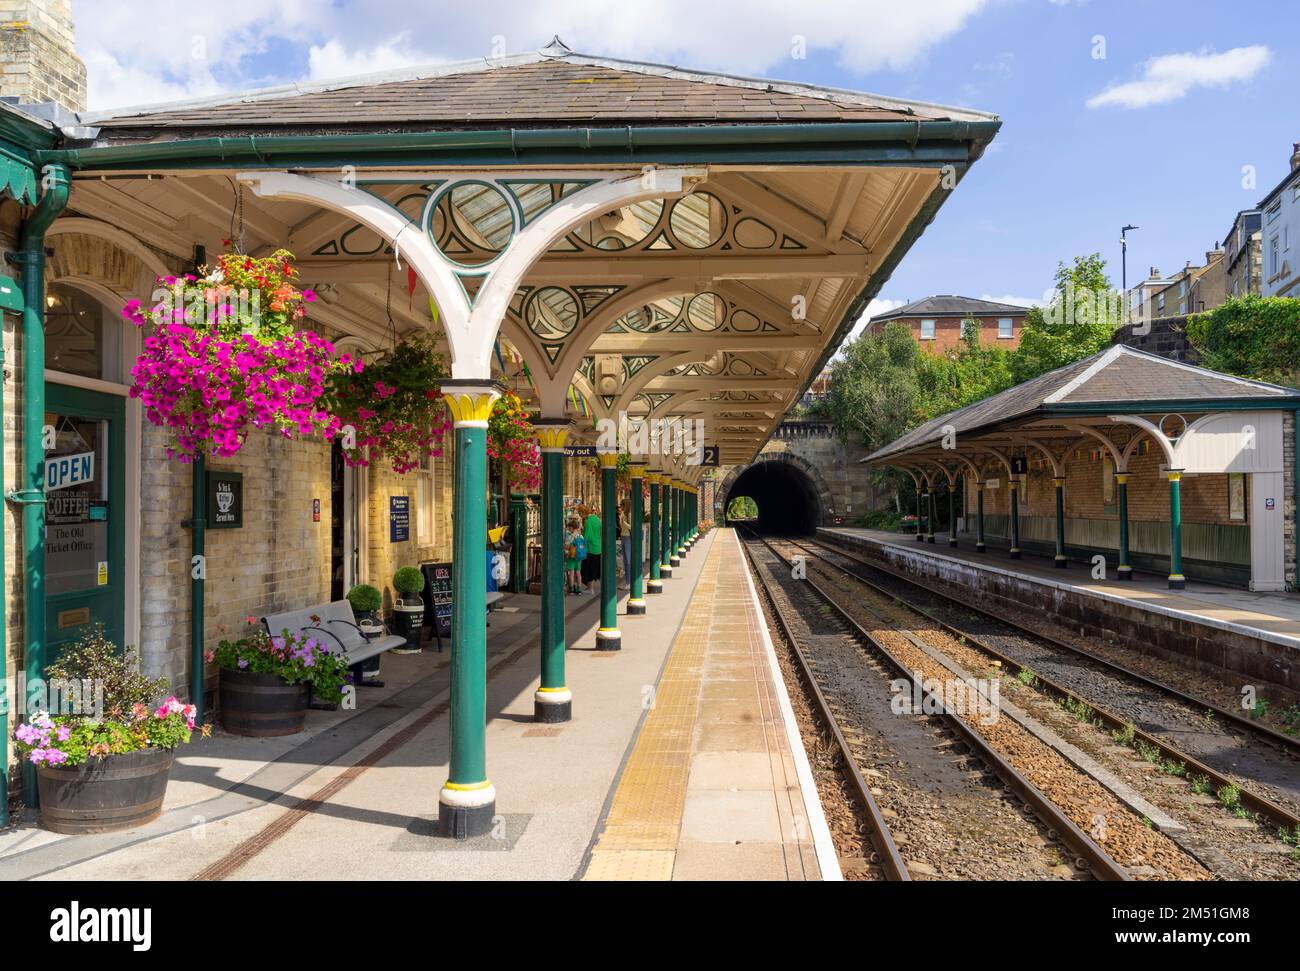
pixel 554 86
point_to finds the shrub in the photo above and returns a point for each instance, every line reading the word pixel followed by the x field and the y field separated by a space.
pixel 408 580
pixel 1252 336
pixel 365 599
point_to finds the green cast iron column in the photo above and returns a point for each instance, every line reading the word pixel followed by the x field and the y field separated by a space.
pixel 654 584
pixel 1125 571
pixel 518 543
pixel 31 480
pixel 636 598
pixel 1015 518
pixel 1176 579
pixel 920 515
pixel 1061 561
pixel 467 802
pixel 929 538
pixel 979 517
pixel 553 702
pixel 608 636
pixel 674 514
pixel 666 526
pixel 198 529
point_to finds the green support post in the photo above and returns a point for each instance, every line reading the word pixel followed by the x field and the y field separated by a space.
pixel 636 597
pixel 1061 561
pixel 666 527
pixel 1015 518
pixel 929 537
pixel 952 514
pixel 673 512
pixel 518 543
pixel 31 494
pixel 1125 572
pixel 1176 579
pixel 467 802
pixel 920 515
pixel 608 636
pixel 979 517
pixel 654 584
pixel 198 577
pixel 680 521
pixel 553 701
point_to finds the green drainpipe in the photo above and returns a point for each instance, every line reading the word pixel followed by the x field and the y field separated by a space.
pixel 198 536
pixel 31 496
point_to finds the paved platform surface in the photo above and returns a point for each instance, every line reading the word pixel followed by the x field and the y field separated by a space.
pixel 1275 614
pixel 712 788
pixel 356 795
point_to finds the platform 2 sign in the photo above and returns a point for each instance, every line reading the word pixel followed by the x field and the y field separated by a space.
pixel 225 500
pixel 439 598
pixel 399 519
pixel 712 457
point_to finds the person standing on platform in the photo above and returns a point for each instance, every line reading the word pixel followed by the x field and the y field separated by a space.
pixel 591 565
pixel 625 544
pixel 575 552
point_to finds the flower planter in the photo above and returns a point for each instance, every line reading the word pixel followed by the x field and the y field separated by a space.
pixel 408 622
pixel 261 705
pixel 104 794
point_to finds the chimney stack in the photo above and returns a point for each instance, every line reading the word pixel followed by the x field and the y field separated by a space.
pixel 1295 156
pixel 38 56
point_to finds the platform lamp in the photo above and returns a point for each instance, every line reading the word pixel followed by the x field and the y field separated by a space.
pixel 1123 264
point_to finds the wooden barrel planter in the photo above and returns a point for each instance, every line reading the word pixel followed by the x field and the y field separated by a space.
pixel 261 705
pixel 104 794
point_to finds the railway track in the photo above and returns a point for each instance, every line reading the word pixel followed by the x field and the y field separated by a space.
pixel 957 808
pixel 1223 749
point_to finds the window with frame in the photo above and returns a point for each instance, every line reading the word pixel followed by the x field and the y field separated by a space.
pixel 425 506
pixel 927 330
pixel 1005 327
pixel 1237 496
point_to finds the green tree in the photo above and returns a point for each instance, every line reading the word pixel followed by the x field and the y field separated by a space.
pixel 1081 320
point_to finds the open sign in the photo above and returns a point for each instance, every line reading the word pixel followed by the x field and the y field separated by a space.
pixel 65 471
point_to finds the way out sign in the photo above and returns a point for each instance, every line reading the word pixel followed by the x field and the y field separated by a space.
pixel 65 471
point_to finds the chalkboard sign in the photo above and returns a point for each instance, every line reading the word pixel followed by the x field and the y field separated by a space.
pixel 438 598
pixel 225 500
pixel 399 519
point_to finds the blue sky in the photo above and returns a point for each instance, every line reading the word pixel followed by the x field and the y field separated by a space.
pixel 1114 111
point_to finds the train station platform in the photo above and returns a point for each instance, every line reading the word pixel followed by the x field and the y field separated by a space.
pixel 682 748
pixel 1250 634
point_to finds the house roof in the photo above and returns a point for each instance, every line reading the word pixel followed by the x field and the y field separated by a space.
pixel 1119 376
pixel 946 305
pixel 553 86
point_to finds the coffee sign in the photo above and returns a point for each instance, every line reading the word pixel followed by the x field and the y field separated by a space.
pixel 225 500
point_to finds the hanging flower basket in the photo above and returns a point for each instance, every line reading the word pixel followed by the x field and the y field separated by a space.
pixel 394 407
pixel 511 443
pixel 226 355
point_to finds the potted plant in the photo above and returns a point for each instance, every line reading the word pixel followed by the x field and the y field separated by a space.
pixel 265 681
pixel 103 766
pixel 409 583
pixel 366 602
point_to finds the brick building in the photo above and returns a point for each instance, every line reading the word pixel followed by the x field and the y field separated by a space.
pixel 937 322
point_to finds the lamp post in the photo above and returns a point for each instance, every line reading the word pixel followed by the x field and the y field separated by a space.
pixel 1123 264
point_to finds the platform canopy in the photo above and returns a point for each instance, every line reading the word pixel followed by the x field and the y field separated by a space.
pixel 642 239
pixel 1117 397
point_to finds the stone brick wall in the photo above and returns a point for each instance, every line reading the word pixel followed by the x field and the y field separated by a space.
pixel 1165 336
pixel 38 59
pixel 10 214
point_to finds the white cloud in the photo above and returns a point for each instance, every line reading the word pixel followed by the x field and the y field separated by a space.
pixel 875 308
pixel 1016 301
pixel 128 64
pixel 1171 76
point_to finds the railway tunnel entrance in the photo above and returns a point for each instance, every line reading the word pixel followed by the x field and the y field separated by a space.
pixel 791 497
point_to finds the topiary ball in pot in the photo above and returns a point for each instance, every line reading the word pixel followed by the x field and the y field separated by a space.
pixel 365 600
pixel 409 582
